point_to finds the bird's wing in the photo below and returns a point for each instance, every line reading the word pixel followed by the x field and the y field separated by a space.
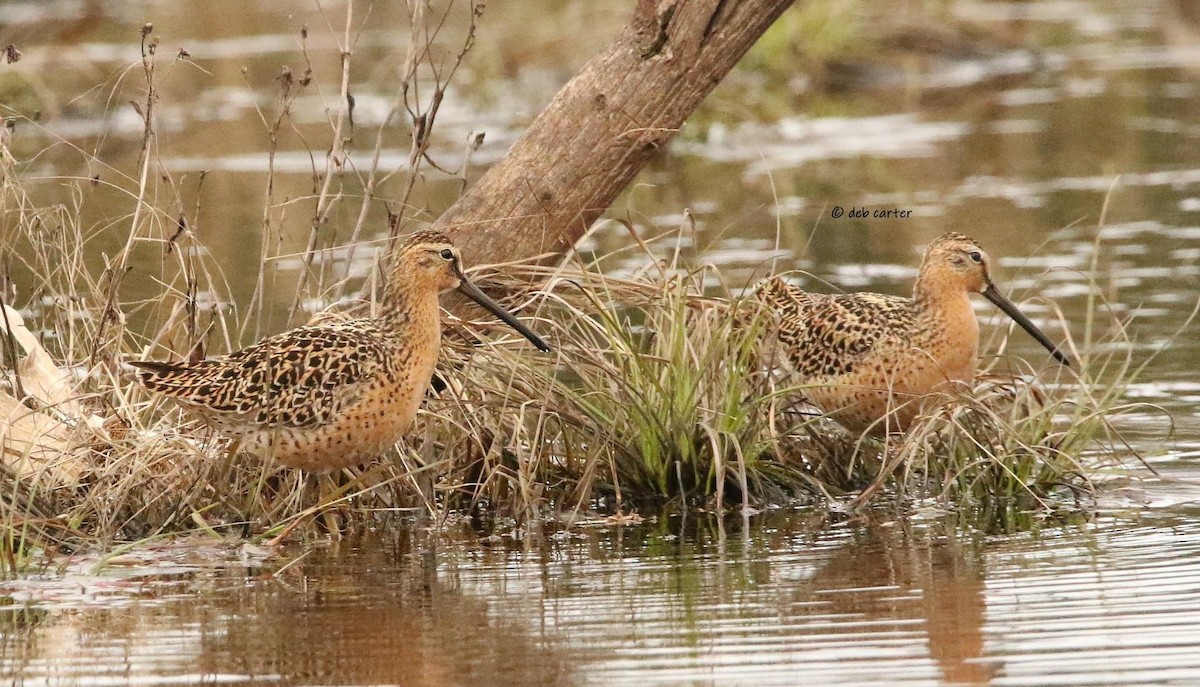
pixel 826 335
pixel 299 378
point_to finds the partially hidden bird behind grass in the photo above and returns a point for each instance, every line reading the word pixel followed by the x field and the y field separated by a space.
pixel 873 362
pixel 338 393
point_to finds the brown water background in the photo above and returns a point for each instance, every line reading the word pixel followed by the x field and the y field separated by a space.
pixel 1016 136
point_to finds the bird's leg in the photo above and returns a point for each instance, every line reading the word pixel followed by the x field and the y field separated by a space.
pixel 424 479
pixel 225 467
pixel 297 519
pixel 327 494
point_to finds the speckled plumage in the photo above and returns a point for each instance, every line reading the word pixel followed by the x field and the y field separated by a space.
pixel 872 361
pixel 335 393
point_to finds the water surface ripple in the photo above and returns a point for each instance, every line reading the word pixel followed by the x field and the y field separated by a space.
pixel 791 600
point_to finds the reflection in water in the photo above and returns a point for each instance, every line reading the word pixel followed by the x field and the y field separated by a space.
pixel 375 616
pixel 368 612
pixel 890 574
pixel 791 600
pixel 954 604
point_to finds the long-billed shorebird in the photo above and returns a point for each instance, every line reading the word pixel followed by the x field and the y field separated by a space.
pixel 872 361
pixel 327 396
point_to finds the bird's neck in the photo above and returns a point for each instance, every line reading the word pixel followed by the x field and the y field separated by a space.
pixel 941 297
pixel 948 323
pixel 409 304
pixel 936 290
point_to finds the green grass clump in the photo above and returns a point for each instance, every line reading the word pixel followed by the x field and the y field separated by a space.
pixel 661 387
pixel 655 392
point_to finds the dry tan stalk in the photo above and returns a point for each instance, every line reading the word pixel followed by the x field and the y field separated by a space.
pixel 35 431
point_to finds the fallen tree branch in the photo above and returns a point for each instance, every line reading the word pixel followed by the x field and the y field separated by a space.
pixel 603 127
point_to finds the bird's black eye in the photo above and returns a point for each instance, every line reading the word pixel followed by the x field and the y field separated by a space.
pixel 447 254
pixel 975 256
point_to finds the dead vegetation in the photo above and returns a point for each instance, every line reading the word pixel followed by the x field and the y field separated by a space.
pixel 661 389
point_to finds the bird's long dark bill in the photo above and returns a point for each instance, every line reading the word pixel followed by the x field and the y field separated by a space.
pixel 993 294
pixel 481 298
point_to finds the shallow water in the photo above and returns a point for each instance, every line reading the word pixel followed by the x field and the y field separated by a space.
pixel 793 598
pixel 1018 144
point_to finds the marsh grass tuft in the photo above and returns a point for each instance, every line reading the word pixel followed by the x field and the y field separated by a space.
pixel 662 388
pixel 658 391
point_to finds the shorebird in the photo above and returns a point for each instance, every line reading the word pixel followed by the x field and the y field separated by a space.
pixel 872 362
pixel 337 393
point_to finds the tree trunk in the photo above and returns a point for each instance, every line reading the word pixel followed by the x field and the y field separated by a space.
pixel 603 127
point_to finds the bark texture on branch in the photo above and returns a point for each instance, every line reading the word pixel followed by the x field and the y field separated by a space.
pixel 603 127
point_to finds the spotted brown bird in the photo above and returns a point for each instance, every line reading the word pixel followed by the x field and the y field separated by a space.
pixel 333 394
pixel 871 361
